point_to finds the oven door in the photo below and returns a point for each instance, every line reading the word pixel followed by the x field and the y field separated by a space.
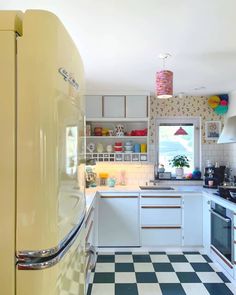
pixel 221 231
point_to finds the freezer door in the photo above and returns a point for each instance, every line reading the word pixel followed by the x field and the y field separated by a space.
pixel 59 276
pixel 50 135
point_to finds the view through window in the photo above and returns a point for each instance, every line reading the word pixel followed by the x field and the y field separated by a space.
pixel 171 145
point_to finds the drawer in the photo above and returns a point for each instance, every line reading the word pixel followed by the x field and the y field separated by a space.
pixel 160 200
pixel 161 215
pixel 161 236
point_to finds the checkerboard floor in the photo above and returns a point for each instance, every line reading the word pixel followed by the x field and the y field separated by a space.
pixel 157 273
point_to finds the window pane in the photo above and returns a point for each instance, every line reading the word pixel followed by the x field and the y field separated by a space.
pixel 171 145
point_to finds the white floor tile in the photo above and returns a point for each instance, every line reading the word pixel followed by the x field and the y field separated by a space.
pixel 182 267
pixel 143 267
pixel 195 258
pixel 167 277
pixel 103 289
pixel 149 289
pixel 215 267
pixel 232 287
pixel 125 277
pixel 209 277
pixel 159 258
pixel 195 289
pixel 123 258
pixel 105 267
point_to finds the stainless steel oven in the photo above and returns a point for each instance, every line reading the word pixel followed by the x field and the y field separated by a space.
pixel 222 231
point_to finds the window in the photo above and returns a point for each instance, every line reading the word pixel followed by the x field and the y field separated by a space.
pixel 170 145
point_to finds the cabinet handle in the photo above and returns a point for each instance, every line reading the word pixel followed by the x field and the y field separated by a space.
pixel 162 207
pixel 89 216
pixel 91 252
pixel 162 197
pixel 161 227
pixel 119 197
pixel 89 231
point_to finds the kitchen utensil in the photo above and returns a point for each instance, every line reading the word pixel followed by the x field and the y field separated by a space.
pixel 109 148
pixel 91 147
pixel 137 148
pixel 99 147
pixel 143 147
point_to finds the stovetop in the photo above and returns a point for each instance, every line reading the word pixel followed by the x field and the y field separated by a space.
pixel 226 198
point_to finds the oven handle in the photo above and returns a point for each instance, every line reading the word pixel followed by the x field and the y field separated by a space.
pixel 221 217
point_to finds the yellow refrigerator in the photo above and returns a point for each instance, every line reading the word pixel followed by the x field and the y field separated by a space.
pixel 42 249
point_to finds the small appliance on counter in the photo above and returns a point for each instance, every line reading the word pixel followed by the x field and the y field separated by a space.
pixel 214 176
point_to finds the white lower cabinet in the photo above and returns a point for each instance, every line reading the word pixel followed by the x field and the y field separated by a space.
pixel 193 220
pixel 118 220
pixel 161 236
pixel 161 220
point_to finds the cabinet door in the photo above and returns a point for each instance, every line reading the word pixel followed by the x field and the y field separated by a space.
pixel 118 221
pixel 193 214
pixel 93 106
pixel 136 106
pixel 206 223
pixel 114 106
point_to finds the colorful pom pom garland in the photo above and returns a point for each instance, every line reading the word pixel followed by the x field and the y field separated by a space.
pixel 219 103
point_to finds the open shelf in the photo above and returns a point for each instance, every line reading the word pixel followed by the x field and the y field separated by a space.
pixel 118 157
pixel 117 137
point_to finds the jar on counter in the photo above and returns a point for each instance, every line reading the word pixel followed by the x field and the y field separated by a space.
pixel 103 178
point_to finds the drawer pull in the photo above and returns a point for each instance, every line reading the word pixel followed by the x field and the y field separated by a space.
pixel 161 227
pixel 89 216
pixel 162 197
pixel 90 252
pixel 119 197
pixel 89 231
pixel 161 207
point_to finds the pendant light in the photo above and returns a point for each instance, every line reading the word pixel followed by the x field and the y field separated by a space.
pixel 181 131
pixel 164 80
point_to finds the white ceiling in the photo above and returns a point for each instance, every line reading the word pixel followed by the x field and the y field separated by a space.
pixel 120 40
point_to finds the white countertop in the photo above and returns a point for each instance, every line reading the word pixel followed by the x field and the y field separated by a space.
pixel 91 193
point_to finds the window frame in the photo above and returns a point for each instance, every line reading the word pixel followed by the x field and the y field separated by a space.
pixel 196 121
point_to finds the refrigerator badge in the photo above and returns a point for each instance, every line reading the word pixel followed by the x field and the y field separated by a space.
pixel 69 78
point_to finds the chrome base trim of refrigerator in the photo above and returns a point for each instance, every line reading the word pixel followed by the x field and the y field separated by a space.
pixel 42 262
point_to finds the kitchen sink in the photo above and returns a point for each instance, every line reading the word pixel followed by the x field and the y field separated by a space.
pixel 157 188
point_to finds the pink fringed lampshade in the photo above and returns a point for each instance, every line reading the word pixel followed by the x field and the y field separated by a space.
pixel 164 84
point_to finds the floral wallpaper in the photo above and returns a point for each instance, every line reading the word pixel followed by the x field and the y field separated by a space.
pixel 188 106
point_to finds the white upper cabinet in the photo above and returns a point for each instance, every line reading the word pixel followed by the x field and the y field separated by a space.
pixel 93 106
pixel 114 106
pixel 136 106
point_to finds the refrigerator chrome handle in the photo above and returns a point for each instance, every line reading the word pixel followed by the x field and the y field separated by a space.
pixel 24 256
pixel 91 251
pixel 39 265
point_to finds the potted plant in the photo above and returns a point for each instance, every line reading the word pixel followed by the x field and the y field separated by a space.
pixel 179 162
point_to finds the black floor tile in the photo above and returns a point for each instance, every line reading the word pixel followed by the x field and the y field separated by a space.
pixel 124 267
pixel 106 258
pixel 141 258
pixel 207 258
pixel 104 278
pixel 177 258
pixel 188 277
pixel 191 253
pixel 201 267
pixel 223 277
pixel 163 267
pixel 146 277
pixel 126 289
pixel 172 289
pixel 218 289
